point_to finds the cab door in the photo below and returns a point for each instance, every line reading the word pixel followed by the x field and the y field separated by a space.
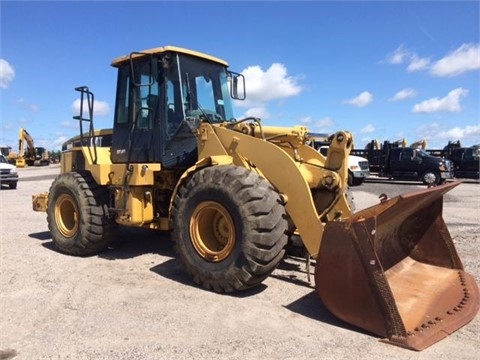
pixel 136 136
pixel 405 164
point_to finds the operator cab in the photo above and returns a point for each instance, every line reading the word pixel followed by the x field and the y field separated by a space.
pixel 162 96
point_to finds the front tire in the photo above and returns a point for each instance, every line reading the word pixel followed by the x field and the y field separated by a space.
pixel 431 177
pixel 77 214
pixel 350 179
pixel 229 228
pixel 353 181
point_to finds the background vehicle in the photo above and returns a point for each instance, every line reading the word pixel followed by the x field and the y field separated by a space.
pixel 358 167
pixel 9 154
pixel 400 162
pixel 8 173
pixel 232 192
pixel 30 155
pixel 466 160
pixel 447 150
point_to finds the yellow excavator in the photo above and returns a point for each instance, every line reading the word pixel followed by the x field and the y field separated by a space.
pixel 233 193
pixel 420 144
pixel 30 155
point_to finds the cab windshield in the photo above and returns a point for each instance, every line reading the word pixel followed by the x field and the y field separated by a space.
pixel 202 89
pixel 421 153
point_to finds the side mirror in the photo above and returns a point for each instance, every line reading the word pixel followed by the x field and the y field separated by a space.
pixel 237 85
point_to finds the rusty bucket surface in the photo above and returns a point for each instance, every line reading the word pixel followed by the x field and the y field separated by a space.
pixel 392 269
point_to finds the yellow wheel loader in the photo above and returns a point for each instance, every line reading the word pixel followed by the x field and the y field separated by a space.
pixel 233 192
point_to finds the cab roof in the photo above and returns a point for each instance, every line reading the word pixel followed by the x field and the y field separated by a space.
pixel 159 50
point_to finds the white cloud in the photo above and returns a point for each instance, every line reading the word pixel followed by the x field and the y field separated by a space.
pixel 100 108
pixel 457 133
pixel 403 94
pixel 7 73
pixel 406 56
pixel 398 56
pixel 272 84
pixel 427 131
pixel 362 100
pixel 258 112
pixel 465 58
pixel 323 124
pixel 438 136
pixel 367 129
pixel 417 63
pixel 449 103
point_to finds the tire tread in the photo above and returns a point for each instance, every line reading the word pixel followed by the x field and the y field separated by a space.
pixel 264 218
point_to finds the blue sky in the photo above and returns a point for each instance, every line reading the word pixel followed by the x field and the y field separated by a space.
pixel 382 70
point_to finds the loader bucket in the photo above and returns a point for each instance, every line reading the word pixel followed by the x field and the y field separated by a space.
pixel 392 269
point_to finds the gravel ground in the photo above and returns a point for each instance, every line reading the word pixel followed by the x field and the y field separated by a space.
pixel 133 301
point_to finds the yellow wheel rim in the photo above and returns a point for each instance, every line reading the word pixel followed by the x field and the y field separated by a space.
pixel 212 231
pixel 66 215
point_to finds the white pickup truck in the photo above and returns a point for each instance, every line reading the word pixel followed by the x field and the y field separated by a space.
pixel 358 167
pixel 8 173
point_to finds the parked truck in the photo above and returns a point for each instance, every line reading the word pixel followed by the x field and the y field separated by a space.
pixel 8 173
pixel 397 161
pixel 465 160
pixel 9 154
pixel 358 167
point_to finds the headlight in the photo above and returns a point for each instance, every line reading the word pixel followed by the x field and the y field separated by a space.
pixel 354 167
pixel 13 171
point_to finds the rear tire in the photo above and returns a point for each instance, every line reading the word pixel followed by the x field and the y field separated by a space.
pixel 77 214
pixel 229 228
